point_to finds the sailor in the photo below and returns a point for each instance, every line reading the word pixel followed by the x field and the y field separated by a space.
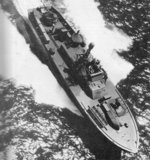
pixel 105 76
pixel 39 9
pixel 53 28
pixel 54 23
pixel 116 105
pixel 126 125
pixel 90 69
pixel 98 63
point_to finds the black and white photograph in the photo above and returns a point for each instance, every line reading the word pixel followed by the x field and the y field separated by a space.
pixel 74 80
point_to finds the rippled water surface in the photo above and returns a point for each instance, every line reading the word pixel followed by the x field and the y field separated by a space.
pixel 32 127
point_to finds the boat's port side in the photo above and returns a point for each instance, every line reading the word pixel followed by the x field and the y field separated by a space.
pixel 38 28
pixel 95 118
pixel 65 56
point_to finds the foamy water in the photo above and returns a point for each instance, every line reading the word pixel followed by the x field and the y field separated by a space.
pixel 92 25
pixel 88 19
pixel 26 69
pixel 23 5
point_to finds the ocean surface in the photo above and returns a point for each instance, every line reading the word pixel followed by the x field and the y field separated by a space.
pixel 38 120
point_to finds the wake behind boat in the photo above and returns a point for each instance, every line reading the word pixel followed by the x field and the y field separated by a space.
pixel 83 78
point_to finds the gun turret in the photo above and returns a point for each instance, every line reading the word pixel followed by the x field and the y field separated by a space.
pixel 90 47
pixel 84 59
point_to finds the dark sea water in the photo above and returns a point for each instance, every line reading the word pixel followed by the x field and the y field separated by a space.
pixel 30 130
pixel 38 131
pixel 133 17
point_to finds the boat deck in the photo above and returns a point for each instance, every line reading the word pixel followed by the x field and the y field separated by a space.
pixel 127 136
